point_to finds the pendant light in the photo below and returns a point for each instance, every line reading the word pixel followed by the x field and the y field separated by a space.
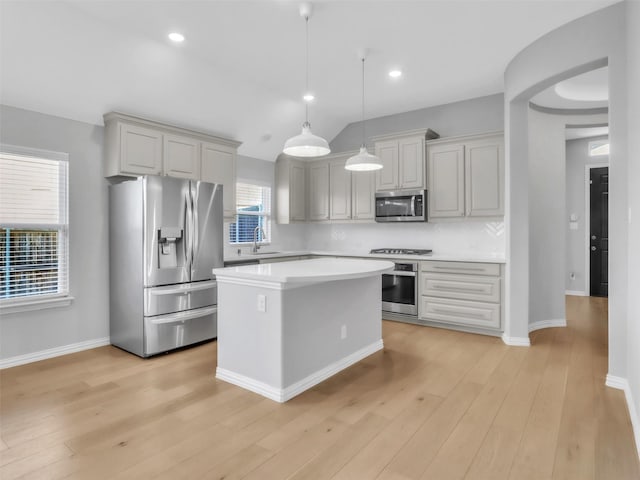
pixel 306 144
pixel 363 161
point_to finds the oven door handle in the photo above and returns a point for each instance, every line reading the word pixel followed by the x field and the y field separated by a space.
pixel 401 274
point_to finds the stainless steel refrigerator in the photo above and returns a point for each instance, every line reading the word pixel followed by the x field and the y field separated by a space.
pixel 166 236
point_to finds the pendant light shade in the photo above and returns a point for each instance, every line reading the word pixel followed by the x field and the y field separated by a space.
pixel 306 144
pixel 363 161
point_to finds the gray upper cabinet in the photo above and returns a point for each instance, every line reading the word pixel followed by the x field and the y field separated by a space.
pixel 339 190
pixel 136 146
pixel 403 160
pixel 363 186
pixel 318 172
pixel 291 191
pixel 466 176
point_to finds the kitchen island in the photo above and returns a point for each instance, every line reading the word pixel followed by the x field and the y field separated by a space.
pixel 285 327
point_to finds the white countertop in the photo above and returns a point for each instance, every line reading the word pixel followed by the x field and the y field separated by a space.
pixel 305 271
pixel 449 257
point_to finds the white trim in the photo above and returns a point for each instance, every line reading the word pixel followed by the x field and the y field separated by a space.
pixel 53 352
pixel 283 394
pixel 577 293
pixel 623 384
pixel 587 223
pixel 516 341
pixel 34 152
pixel 35 304
pixel 556 322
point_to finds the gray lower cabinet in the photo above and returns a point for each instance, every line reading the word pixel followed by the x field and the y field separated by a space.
pixel 466 294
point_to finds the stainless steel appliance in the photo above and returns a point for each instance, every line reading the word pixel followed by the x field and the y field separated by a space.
pixel 401 206
pixel 166 235
pixel 400 288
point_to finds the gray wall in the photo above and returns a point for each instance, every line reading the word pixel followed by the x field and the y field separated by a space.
pixel 477 115
pixel 87 318
pixel 577 158
pixel 633 257
pixel 586 43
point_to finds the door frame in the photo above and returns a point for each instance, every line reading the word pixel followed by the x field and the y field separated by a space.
pixel 587 224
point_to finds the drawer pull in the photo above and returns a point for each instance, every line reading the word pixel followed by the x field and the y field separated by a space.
pixel 447 311
pixel 460 289
pixel 477 269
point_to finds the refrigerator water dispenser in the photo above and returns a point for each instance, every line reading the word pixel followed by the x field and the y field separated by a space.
pixel 168 238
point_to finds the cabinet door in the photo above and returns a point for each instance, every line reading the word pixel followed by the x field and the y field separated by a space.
pixel 387 177
pixel 484 169
pixel 411 162
pixel 363 195
pixel 219 166
pixel 298 197
pixel 181 157
pixel 319 191
pixel 445 172
pixel 140 150
pixel 339 191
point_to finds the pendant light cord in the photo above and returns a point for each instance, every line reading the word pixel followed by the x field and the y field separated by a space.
pixel 363 123
pixel 306 103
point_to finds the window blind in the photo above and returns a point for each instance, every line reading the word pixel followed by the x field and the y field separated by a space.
pixel 253 204
pixel 33 226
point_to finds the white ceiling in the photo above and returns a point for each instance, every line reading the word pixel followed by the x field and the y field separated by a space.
pixel 240 72
pixel 588 90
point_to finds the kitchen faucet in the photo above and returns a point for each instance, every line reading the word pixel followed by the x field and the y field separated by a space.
pixel 255 238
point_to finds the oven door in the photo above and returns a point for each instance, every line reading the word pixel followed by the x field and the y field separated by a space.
pixel 399 293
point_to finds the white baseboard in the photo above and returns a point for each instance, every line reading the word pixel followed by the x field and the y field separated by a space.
pixel 577 293
pixel 283 394
pixel 622 384
pixel 53 352
pixel 556 322
pixel 516 341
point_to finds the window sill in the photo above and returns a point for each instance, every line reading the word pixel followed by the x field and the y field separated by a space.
pixel 34 304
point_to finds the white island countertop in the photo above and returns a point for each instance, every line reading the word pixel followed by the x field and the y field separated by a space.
pixel 305 271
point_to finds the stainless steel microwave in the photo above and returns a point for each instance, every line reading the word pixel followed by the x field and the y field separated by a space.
pixel 401 206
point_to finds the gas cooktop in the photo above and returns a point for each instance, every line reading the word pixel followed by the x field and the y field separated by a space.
pixel 402 251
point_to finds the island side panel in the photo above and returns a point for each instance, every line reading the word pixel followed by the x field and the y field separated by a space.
pixel 250 341
pixel 313 320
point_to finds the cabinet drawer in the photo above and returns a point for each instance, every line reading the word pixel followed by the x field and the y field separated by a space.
pixel 461 312
pixel 470 268
pixel 464 287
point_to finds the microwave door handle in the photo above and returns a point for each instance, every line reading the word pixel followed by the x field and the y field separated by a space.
pixel 413 205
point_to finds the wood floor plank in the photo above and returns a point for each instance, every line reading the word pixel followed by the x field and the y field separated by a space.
pixel 434 403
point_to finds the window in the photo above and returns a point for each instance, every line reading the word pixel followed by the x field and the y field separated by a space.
pixel 253 204
pixel 598 147
pixel 33 226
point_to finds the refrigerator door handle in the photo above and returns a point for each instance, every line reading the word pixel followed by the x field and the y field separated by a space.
pixel 183 316
pixel 194 203
pixel 188 220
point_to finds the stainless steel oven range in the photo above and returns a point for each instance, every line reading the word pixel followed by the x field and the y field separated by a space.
pixel 400 287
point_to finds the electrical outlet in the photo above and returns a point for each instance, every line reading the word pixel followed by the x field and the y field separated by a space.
pixel 262 303
pixel 343 332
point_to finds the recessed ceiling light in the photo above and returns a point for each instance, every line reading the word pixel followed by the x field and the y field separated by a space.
pixel 308 97
pixel 176 37
pixel 395 73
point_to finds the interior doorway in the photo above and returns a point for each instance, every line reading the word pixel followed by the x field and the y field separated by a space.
pixel 599 231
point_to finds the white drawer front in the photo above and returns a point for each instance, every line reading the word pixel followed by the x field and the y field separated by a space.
pixel 469 268
pixel 461 312
pixel 464 287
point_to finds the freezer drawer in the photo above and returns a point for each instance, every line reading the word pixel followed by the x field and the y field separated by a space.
pixel 166 332
pixel 175 298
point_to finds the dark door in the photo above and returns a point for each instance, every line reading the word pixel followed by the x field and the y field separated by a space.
pixel 599 233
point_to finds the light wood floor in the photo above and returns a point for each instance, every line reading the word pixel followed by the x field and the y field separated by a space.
pixel 435 404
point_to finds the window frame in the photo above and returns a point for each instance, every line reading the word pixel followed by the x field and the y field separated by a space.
pixel 45 300
pixel 266 215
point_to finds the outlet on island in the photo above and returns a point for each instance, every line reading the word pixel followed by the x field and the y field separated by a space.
pixel 262 303
pixel 343 332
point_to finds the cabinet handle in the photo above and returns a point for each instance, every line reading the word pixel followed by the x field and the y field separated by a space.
pixel 461 289
pixel 459 312
pixel 475 269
